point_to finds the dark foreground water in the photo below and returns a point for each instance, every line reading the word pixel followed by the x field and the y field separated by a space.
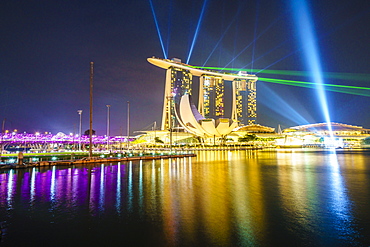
pixel 242 198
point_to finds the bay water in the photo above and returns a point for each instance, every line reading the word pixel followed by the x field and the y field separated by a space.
pixel 278 197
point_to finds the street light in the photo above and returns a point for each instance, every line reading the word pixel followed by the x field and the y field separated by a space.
pixel 2 136
pixel 108 125
pixel 128 125
pixel 91 107
pixel 79 133
pixel 169 99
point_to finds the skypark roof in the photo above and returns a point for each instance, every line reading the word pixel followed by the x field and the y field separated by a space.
pixel 324 127
pixel 166 63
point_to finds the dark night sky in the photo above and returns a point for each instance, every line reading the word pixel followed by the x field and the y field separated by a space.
pixel 46 48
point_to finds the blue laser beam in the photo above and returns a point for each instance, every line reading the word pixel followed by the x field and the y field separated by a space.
pixel 170 11
pixel 303 21
pixel 224 33
pixel 344 24
pixel 277 104
pixel 196 31
pixel 157 27
pixel 222 36
pixel 266 53
pixel 254 34
pixel 255 39
pixel 277 61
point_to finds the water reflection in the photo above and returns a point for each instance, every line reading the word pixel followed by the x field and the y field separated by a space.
pixel 118 190
pixel 10 189
pixel 339 203
pixel 130 189
pixel 249 215
pixel 32 186
pixel 224 198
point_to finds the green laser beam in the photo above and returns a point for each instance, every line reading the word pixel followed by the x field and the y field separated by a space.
pixel 350 90
pixel 312 83
pixel 355 90
pixel 333 75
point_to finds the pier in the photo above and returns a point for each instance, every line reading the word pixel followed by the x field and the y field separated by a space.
pixel 87 160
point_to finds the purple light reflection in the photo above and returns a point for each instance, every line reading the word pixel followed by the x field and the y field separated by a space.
pixel 67 189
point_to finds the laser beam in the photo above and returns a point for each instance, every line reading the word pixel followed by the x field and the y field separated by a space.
pixel 255 39
pixel 333 75
pixel 277 104
pixel 361 91
pixel 222 36
pixel 170 11
pixel 196 31
pixel 303 21
pixel 157 27
pixel 254 34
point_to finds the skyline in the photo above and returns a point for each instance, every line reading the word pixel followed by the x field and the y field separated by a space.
pixel 46 49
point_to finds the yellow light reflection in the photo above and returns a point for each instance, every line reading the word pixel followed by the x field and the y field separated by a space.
pixel 247 198
pixel 297 188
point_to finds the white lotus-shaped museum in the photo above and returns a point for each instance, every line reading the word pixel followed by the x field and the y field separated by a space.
pixel 190 119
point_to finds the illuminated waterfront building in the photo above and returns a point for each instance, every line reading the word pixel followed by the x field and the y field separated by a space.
pixel 245 96
pixel 318 135
pixel 208 119
pixel 178 82
pixel 211 96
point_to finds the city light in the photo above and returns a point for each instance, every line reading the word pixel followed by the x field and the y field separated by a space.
pixel 50 139
pixel 12 160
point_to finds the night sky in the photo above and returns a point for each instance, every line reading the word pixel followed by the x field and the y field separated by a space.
pixel 46 48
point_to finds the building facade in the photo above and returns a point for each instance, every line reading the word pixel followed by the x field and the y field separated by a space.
pixel 211 98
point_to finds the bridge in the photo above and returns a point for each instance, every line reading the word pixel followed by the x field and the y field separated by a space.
pixel 26 141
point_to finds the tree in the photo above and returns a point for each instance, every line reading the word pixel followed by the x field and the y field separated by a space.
pixel 247 138
pixel 157 140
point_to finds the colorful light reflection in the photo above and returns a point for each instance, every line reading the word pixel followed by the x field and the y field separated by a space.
pixel 220 197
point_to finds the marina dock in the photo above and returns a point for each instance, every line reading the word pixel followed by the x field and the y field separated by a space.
pixel 87 160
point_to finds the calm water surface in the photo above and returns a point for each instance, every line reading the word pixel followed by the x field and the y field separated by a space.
pixel 219 198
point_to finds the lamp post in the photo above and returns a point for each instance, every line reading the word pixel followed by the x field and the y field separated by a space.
pixel 91 107
pixel 128 125
pixel 108 125
pixel 79 132
pixel 2 136
pixel 120 141
pixel 169 99
pixel 155 131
